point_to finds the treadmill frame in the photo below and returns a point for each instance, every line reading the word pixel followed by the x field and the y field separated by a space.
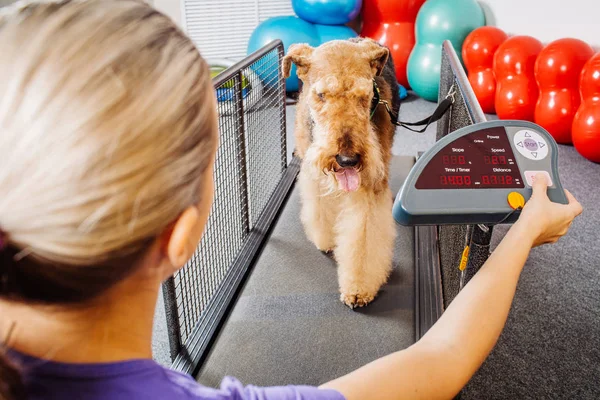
pixel 438 249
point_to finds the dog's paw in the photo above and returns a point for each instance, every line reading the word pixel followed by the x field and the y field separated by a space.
pixel 354 300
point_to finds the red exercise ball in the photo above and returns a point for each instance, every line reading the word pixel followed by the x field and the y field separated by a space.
pixel 557 71
pixel 516 89
pixel 586 124
pixel 392 23
pixel 478 54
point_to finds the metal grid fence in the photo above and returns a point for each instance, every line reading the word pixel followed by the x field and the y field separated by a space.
pixel 252 178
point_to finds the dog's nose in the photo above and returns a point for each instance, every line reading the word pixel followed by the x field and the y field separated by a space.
pixel 347 161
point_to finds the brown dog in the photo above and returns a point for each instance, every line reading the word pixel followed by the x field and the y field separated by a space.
pixel 344 139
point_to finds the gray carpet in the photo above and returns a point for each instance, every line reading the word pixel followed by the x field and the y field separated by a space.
pixel 550 348
pixel 289 326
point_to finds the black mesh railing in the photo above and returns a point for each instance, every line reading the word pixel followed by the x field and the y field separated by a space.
pixel 252 178
pixel 453 238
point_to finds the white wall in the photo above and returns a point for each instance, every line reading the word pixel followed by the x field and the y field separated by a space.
pixel 170 7
pixel 547 20
pixel 221 29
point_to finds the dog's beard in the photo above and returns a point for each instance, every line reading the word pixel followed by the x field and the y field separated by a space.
pixel 348 179
pixel 332 178
pixel 338 179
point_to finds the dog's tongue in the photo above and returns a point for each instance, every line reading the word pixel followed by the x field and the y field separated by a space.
pixel 348 179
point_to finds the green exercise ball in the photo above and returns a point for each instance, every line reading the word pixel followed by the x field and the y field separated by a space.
pixel 437 21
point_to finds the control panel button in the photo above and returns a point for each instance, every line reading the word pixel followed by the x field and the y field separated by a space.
pixel 531 144
pixel 516 200
pixel 530 177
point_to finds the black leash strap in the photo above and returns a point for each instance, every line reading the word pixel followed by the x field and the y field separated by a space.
pixel 440 110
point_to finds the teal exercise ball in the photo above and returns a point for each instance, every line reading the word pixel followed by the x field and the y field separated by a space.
pixel 327 12
pixel 289 30
pixel 437 21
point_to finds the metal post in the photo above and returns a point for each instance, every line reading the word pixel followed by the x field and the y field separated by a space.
pixel 172 316
pixel 241 144
pixel 282 105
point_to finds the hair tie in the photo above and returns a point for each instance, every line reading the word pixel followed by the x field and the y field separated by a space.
pixel 3 241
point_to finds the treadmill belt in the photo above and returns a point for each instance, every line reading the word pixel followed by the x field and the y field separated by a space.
pixel 289 326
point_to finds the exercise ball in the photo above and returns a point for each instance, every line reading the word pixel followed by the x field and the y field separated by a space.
pixel 437 21
pixel 478 56
pixel 327 12
pixel 557 71
pixel 289 30
pixel 516 90
pixel 586 124
pixel 326 33
pixel 392 24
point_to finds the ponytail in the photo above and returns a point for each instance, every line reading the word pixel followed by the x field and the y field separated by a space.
pixel 11 384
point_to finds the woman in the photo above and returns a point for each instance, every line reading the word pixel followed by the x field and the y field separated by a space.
pixel 108 136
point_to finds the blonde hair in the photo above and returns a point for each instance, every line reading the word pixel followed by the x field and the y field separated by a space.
pixel 106 125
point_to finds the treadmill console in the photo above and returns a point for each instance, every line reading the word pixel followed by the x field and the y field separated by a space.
pixel 479 175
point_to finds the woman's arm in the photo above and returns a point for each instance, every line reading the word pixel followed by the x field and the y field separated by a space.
pixel 443 361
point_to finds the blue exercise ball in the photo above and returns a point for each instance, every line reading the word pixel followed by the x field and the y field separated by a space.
pixel 333 32
pixel 327 12
pixel 289 30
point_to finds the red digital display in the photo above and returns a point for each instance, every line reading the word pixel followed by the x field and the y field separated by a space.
pixel 454 160
pixel 495 160
pixel 481 160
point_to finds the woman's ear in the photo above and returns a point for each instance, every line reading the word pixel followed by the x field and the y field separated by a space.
pixel 184 237
pixel 298 54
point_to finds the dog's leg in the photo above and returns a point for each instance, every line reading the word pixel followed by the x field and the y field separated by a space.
pixel 318 212
pixel 365 234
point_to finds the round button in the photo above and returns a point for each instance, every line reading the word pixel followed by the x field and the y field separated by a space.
pixel 531 144
pixel 516 200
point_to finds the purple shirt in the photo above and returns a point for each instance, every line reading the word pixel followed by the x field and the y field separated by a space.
pixel 142 379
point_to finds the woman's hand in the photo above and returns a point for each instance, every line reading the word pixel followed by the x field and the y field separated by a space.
pixel 545 220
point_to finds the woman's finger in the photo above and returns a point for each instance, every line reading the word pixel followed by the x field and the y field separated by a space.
pixel 540 186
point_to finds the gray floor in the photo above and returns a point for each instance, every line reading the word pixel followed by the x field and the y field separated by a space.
pixel 550 348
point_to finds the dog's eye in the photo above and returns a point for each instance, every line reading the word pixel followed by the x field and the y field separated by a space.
pixel 321 96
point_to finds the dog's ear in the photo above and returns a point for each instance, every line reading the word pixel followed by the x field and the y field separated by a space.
pixel 377 55
pixel 298 54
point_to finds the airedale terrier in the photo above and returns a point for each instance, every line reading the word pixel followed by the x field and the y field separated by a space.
pixel 344 138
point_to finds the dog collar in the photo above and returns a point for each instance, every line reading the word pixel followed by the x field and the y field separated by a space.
pixel 376 98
